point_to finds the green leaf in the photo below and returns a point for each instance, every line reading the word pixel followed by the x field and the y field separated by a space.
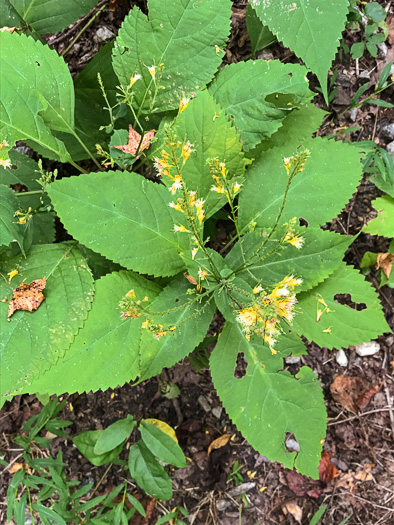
pixel 375 12
pixel 148 473
pixel 23 171
pixel 49 514
pixel 180 35
pixel 311 29
pixel 266 403
pixel 212 137
pixel 191 318
pixel 316 517
pixel 264 189
pixel 357 50
pixel 122 216
pixel 106 350
pixel 320 254
pixel 114 435
pixel 258 95
pixel 379 102
pixel 50 16
pixel 9 230
pixel 346 326
pixel 33 341
pixel 260 35
pixel 383 224
pixel 44 100
pixel 162 445
pixel 86 443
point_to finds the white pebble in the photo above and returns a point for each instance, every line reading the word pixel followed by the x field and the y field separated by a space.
pixel 292 445
pixel 292 360
pixel 341 358
pixel 370 348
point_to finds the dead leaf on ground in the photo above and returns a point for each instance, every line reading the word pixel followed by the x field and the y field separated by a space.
pixel 390 25
pixel 19 466
pixel 385 262
pixel 9 29
pixel 327 471
pixel 365 473
pixel 134 141
pixel 292 508
pixel 219 442
pixel 353 393
pixel 302 485
pixel 27 297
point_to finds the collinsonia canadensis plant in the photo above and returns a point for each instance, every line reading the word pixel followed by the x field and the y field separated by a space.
pixel 176 145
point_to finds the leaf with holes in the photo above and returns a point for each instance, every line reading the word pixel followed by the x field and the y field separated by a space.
pixel 266 403
pixel 259 104
pixel 311 29
pixel 33 342
pixel 183 39
pixel 383 224
pixel 334 325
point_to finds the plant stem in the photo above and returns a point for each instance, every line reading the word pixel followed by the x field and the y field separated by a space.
pixel 23 193
pixel 65 51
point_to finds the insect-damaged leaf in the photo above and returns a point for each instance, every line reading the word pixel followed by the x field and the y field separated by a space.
pixel 27 296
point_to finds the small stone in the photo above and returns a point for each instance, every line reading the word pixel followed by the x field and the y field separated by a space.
pixel 390 148
pixel 365 349
pixel 341 358
pixel 217 412
pixel 353 114
pixel 364 74
pixel 382 50
pixel 292 360
pixel 241 489
pixel 204 403
pixel 292 445
pixel 340 464
pixel 222 504
pixel 265 54
pixel 103 34
pixel 343 80
pixel 388 131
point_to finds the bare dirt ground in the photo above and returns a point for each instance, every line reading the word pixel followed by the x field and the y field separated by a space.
pixel 360 445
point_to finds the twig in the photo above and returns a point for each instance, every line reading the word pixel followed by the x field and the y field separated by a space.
pixel 74 40
pixel 367 501
pixel 390 405
pixel 332 423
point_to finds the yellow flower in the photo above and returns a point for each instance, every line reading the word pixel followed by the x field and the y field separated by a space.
pixel 177 185
pixel 183 104
pixel 187 150
pixel 258 289
pixel 199 203
pixel 237 187
pixel 134 79
pixel 12 274
pixel 202 274
pixel 22 220
pixel 159 334
pixel 145 324
pixel 295 240
pixel 247 318
pixel 152 71
pixel 287 164
pixel 217 49
pixel 176 207
pixel 222 168
pixel 181 229
pixel 6 163
pixel 292 282
pixel 194 253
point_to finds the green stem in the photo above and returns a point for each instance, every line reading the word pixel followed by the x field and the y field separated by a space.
pixel 87 151
pixel 76 166
pixel 23 193
pixel 68 48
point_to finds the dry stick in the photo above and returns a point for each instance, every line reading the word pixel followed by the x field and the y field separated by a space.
pixel 332 423
pixel 71 45
pixel 389 402
pixel 370 502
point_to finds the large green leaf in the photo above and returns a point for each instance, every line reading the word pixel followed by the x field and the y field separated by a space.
pixel 190 319
pixel 383 224
pixel 33 341
pixel 312 29
pixel 266 403
pixel 342 325
pixel 105 354
pixel 9 230
pixel 122 216
pixel 37 93
pixel 45 16
pixel 258 95
pixel 180 35
pixel 317 194
pixel 319 256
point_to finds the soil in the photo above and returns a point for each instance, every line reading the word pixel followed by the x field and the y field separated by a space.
pixel 360 445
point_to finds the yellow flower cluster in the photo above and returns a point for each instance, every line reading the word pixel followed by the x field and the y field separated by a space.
pixel 219 175
pixel 184 208
pixel 263 316
pixel 164 167
pixel 131 306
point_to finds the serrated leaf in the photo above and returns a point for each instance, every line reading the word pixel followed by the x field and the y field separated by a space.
pixel 311 29
pixel 130 227
pixel 182 35
pixel 44 98
pixel 383 224
pixel 342 326
pixel 9 230
pixel 320 254
pixel 162 445
pixel 33 342
pixel 264 189
pixel 258 95
pixel 191 319
pixel 50 16
pixel 86 443
pixel 260 35
pixel 267 403
pixel 148 473
pixel 106 350
pixel 23 171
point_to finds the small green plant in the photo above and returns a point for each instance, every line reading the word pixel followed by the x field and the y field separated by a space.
pixel 376 16
pixel 40 485
pixel 216 205
pixel 235 474
pixel 382 84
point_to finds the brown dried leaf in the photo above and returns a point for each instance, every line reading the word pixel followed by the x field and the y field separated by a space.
pixel 292 508
pixel 27 296
pixel 302 485
pixel 385 262
pixel 390 24
pixel 365 473
pixel 219 442
pixel 134 141
pixel 353 393
pixel 19 466
pixel 327 471
pixel 191 279
pixel 9 29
